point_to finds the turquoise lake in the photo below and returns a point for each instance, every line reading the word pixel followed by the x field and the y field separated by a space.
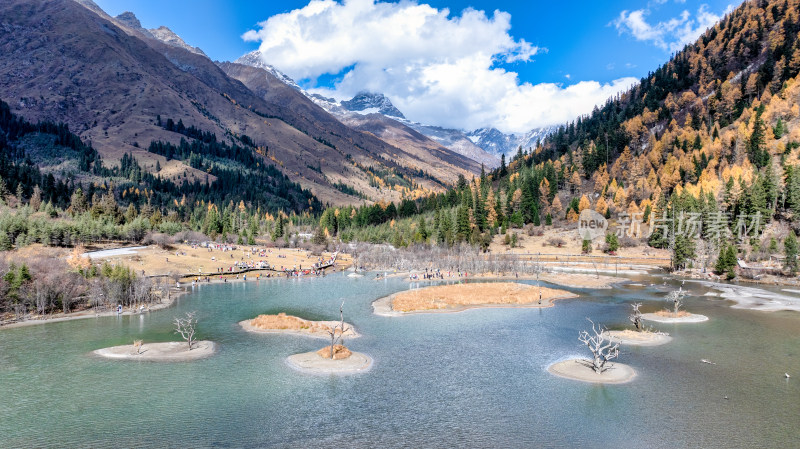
pixel 471 379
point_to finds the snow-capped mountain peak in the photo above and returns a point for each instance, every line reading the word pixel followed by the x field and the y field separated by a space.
pixel 253 59
pixel 368 102
pixel 497 142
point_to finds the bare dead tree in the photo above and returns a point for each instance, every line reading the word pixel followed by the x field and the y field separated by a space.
pixel 676 297
pixel 636 317
pixel 602 350
pixel 186 327
pixel 337 331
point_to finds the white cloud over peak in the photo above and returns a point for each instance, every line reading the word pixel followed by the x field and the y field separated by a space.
pixel 672 34
pixel 435 68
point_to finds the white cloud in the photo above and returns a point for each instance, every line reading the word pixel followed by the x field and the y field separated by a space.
pixel 435 68
pixel 672 34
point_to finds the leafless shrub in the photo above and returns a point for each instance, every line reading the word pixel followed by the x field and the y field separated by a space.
pixel 461 258
pixel 55 287
pixel 190 237
pixel 636 316
pixel 158 238
pixel 337 332
pixel 628 242
pixel 558 242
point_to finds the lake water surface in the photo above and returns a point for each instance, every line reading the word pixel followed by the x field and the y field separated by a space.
pixel 471 379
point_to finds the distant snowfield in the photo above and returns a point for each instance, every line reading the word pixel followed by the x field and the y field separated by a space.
pixel 754 298
pixel 113 252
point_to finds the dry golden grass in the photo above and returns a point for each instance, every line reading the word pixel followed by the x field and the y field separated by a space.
pixel 459 295
pixel 340 352
pixel 154 260
pixel 283 321
pixel 670 314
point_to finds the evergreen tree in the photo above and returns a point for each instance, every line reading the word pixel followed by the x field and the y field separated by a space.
pixel 755 146
pixel 446 229
pixel 503 172
pixel 790 251
pixel 779 128
pixel 462 224
pixel 479 212
pixel 612 241
pixel 422 231
pixel 683 251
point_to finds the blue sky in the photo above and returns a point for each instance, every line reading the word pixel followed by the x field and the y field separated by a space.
pixel 567 56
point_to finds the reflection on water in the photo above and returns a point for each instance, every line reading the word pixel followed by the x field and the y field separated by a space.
pixel 476 378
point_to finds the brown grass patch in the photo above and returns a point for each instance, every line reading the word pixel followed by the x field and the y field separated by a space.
pixel 283 321
pixel 453 296
pixel 340 352
pixel 670 314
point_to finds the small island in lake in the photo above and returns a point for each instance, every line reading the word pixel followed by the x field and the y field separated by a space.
pixel 458 297
pixel 598 369
pixel 636 338
pixel 676 315
pixel 639 336
pixel 171 351
pixel 343 361
pixel 288 324
pixel 663 316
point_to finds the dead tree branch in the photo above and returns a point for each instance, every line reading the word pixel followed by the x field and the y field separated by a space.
pixel 186 327
pixel 602 350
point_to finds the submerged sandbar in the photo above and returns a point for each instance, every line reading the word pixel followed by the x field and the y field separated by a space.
pixel 635 338
pixel 458 297
pixel 581 369
pixel 312 362
pixel 684 317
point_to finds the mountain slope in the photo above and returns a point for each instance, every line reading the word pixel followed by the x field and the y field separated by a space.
pixel 713 134
pixel 404 147
pixel 110 81
pixel 370 104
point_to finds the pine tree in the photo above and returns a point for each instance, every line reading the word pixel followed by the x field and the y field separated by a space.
pixel 479 212
pixel 462 224
pixel 779 129
pixel 446 229
pixel 790 253
pixel 755 146
pixel 422 231
pixel 683 251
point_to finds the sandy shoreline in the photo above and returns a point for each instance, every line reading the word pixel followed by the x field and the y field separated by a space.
pixel 460 297
pixel 580 369
pixel 691 318
pixel 350 333
pixel 313 363
pixel 171 351
pixel 634 338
